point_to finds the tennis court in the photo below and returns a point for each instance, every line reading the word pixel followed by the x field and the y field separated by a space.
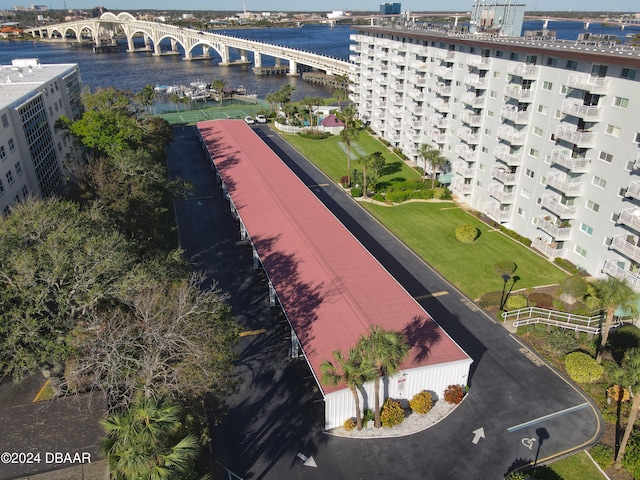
pixel 237 110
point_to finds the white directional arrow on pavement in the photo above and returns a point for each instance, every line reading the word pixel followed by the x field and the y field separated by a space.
pixel 307 461
pixel 477 435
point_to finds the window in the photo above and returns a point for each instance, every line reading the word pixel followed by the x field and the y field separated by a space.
pixel 529 173
pixel 25 191
pixel 637 138
pixel 598 70
pixel 492 94
pixel 629 73
pixel 513 56
pixel 620 102
pixel 490 113
pixel 557 114
pixel 18 168
pixel 537 131
pixel 3 153
pixel 1 187
pixel 525 193
pixel 564 90
pixel 12 145
pixel 6 210
pixel 552 62
pixel 487 131
pixel 591 205
pixel 580 251
pixel 586 229
pixel 605 157
pixel 547 85
pixel 572 64
pixel 499 54
pixel 521 212
pixel 599 182
pixel 533 152
pixel 542 109
pixel 496 74
pixel 5 120
pixel 9 177
pixel 612 130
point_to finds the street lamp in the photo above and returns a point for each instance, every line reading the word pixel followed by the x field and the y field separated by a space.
pixel 503 298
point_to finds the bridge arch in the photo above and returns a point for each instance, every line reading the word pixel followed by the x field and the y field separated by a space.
pixel 108 16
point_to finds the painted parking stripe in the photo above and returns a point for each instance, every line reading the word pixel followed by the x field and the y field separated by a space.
pixel 252 332
pixel 547 417
pixel 432 295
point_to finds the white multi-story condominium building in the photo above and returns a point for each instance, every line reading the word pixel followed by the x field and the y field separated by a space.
pixel 542 136
pixel 32 97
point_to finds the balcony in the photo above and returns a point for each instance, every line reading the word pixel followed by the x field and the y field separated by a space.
pixel 355 47
pixel 481 63
pixel 548 249
pixel 552 203
pixel 612 269
pixel 470 118
pixel 438 120
pixel 354 58
pixel 422 67
pixel 631 218
pixel 398 100
pixel 443 72
pixel 511 135
pixel 466 152
pixel 516 116
pixel 461 187
pixel 440 105
pixel 572 135
pixel 416 109
pixel 494 211
pixel 496 190
pixel 634 190
pixel 399 59
pixel 565 158
pixel 559 181
pixel 523 70
pixel 437 136
pixel 444 54
pixel 467 135
pixel 519 93
pixel 411 123
pixel 577 109
pixel 462 168
pixel 470 98
pixel 416 94
pixel 504 153
pixel 418 80
pixel 587 82
pixel 415 137
pixel 442 89
pixel 556 231
pixel 476 81
pixel 504 176
pixel 627 246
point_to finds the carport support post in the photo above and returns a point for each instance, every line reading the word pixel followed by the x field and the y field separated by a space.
pixel 295 345
pixel 256 259
pixel 243 232
pixel 272 295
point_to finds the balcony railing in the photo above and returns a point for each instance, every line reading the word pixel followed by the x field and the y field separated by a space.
pixel 571 135
pixel 612 268
pixel 503 152
pixel 496 190
pixel 620 243
pixel 504 176
pixel 460 186
pixel 421 67
pixel 462 168
pixel 416 110
pixel 418 80
pixel 479 62
pixel 442 89
pixel 559 181
pixel 577 109
pixel 438 120
pixel 634 190
pixel 443 72
pixel 466 152
pixel 471 118
pixel 467 135
pixel 564 157
pixel 475 80
pixel 440 105
pixel 631 218
pixel 512 135
pixel 519 93
pixel 516 116
pixel 556 231
pixel 470 98
pixel 437 136
pixel 549 250
pixel 565 212
pixel 523 70
pixel 495 212
pixel 588 83
pixel 444 54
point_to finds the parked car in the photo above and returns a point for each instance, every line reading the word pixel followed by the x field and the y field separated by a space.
pixel 249 120
pixel 261 119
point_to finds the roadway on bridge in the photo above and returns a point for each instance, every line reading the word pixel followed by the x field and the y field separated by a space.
pixel 526 410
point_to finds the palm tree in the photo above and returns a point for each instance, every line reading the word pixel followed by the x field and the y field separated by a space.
pixel 613 293
pixel 175 99
pixel 348 135
pixel 631 375
pixel 385 349
pixel 141 442
pixel 423 152
pixel 369 161
pixel 218 85
pixel 434 158
pixel 352 371
pixel 147 96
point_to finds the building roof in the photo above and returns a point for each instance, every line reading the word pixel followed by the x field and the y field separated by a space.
pixel 330 287
pixel 332 121
pixel 19 80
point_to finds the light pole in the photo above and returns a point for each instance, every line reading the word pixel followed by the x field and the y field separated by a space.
pixel 503 298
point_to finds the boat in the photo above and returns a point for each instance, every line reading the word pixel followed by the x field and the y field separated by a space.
pixel 241 90
pixel 161 88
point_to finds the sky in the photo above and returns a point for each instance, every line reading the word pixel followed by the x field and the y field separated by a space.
pixel 326 5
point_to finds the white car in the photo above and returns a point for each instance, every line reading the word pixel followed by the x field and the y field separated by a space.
pixel 249 120
pixel 261 119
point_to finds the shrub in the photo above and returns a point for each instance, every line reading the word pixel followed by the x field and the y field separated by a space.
pixel 583 368
pixel 514 302
pixel 631 459
pixel 625 338
pixel 542 300
pixel 344 181
pixel 454 394
pixel 517 476
pixel 446 195
pixel 467 233
pixel 310 134
pixel 490 299
pixel 421 402
pixel 356 192
pixel 561 342
pixel 602 455
pixel 378 197
pixel 367 415
pixel 574 286
pixel 349 424
pixel 392 413
pixel 505 267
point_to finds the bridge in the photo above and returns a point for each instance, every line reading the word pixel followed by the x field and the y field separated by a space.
pixel 103 32
pixel 622 23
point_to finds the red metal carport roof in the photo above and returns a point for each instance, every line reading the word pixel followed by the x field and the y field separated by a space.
pixel 330 287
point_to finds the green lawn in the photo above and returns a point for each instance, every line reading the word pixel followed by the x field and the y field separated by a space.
pixel 429 229
pixel 330 156
pixel 576 467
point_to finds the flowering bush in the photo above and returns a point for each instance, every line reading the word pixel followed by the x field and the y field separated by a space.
pixel 453 394
pixel 349 424
pixel 467 233
pixel 583 368
pixel 392 413
pixel 421 402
